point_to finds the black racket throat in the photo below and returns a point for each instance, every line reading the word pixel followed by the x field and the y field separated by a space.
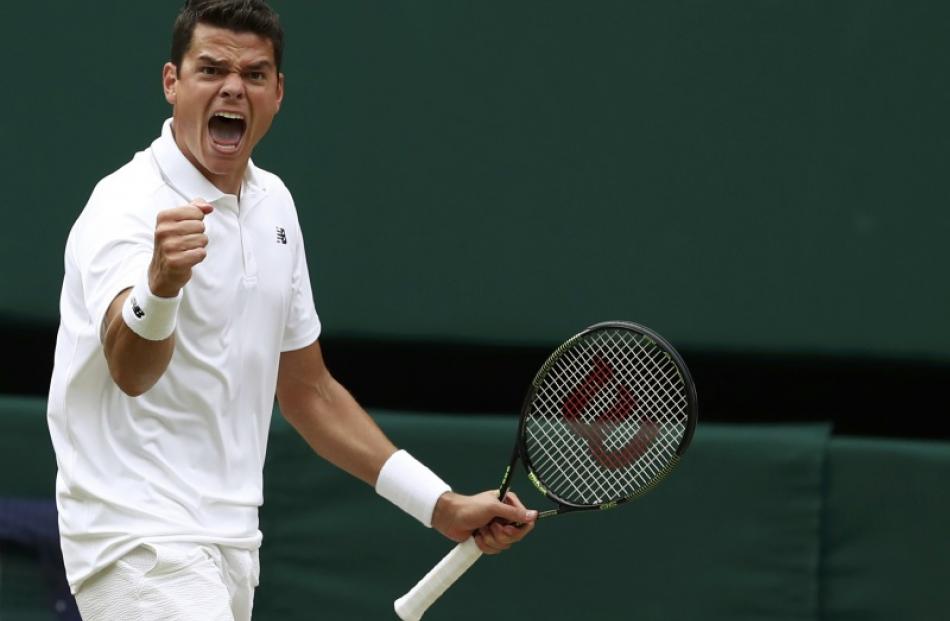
pixel 562 507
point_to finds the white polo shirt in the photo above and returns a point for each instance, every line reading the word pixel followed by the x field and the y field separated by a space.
pixel 182 462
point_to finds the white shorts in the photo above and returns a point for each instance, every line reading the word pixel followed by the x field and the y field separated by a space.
pixel 173 582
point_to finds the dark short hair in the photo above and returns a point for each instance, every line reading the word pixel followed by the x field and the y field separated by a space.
pixel 236 15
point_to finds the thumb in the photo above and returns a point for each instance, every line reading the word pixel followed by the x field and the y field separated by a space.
pixel 203 205
pixel 515 514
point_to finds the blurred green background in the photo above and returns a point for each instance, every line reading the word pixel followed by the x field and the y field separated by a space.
pixel 748 175
pixel 761 182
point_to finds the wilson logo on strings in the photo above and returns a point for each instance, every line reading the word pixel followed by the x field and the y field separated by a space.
pixel 596 432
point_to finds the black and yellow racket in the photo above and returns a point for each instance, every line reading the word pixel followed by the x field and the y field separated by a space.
pixel 606 418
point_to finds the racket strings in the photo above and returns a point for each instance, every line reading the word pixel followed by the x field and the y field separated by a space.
pixel 607 418
pixel 569 466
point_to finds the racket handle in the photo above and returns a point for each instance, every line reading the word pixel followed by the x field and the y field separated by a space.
pixel 412 605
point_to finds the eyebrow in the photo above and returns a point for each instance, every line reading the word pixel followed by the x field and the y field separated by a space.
pixel 211 60
pixel 261 64
pixel 255 66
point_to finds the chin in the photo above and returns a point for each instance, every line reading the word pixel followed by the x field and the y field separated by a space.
pixel 221 163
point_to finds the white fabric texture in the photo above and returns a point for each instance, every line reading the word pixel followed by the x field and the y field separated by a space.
pixel 148 315
pixel 411 486
pixel 182 462
pixel 173 582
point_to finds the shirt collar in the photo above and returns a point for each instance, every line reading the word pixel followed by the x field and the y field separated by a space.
pixel 188 181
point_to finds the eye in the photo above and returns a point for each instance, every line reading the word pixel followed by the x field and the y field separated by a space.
pixel 208 70
pixel 257 76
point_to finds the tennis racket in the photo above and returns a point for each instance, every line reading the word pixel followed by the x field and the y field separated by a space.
pixel 606 419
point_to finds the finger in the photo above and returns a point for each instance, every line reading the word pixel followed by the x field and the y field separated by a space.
pixel 487 542
pixel 512 499
pixel 509 534
pixel 480 542
pixel 196 256
pixel 202 204
pixel 496 537
pixel 515 533
pixel 199 208
pixel 184 227
pixel 186 212
pixel 171 247
pixel 169 232
pixel 171 239
pixel 513 513
pixel 190 242
pixel 503 534
pixel 530 515
pixel 187 258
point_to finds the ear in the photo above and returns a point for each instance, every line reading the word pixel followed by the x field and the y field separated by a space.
pixel 280 89
pixel 170 82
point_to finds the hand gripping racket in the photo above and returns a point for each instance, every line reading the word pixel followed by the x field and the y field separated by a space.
pixel 606 418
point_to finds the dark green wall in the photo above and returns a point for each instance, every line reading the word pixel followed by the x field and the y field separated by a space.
pixel 745 175
pixel 758 523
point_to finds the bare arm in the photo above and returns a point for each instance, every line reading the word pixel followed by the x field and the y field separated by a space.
pixel 328 417
pixel 136 363
pixel 340 431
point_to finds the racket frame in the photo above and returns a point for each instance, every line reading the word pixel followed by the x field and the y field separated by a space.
pixel 412 605
pixel 520 450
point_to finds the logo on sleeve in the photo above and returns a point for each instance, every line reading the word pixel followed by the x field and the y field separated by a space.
pixel 281 236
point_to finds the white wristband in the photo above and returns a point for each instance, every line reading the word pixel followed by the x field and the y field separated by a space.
pixel 411 486
pixel 148 315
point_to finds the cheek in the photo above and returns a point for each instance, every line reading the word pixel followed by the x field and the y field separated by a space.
pixel 191 101
pixel 266 110
pixel 191 113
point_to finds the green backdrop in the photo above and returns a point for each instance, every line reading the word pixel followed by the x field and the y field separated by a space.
pixel 742 175
pixel 759 523
pixel 751 176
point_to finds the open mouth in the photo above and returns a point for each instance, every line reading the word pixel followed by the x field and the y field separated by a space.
pixel 226 130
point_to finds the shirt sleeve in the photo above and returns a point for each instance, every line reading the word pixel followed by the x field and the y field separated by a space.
pixel 112 251
pixel 302 326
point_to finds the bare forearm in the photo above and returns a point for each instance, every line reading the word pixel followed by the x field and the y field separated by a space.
pixel 338 429
pixel 135 363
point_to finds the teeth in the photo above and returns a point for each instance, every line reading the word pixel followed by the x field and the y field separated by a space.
pixel 230 115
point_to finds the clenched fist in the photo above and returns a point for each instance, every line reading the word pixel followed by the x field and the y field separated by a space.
pixel 180 244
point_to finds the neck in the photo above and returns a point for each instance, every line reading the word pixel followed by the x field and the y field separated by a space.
pixel 228 186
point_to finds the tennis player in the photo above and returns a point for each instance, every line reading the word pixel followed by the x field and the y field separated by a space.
pixel 186 306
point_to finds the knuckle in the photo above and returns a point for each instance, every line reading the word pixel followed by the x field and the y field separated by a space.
pixel 173 262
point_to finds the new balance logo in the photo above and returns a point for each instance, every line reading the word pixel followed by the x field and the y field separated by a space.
pixel 281 236
pixel 136 309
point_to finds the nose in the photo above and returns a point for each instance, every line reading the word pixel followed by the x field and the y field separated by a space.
pixel 233 86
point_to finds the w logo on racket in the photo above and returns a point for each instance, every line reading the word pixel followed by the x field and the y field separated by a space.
pixel 581 423
pixel 613 416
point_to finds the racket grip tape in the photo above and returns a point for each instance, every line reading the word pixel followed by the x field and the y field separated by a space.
pixel 412 605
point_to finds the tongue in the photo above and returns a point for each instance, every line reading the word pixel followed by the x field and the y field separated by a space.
pixel 226 131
